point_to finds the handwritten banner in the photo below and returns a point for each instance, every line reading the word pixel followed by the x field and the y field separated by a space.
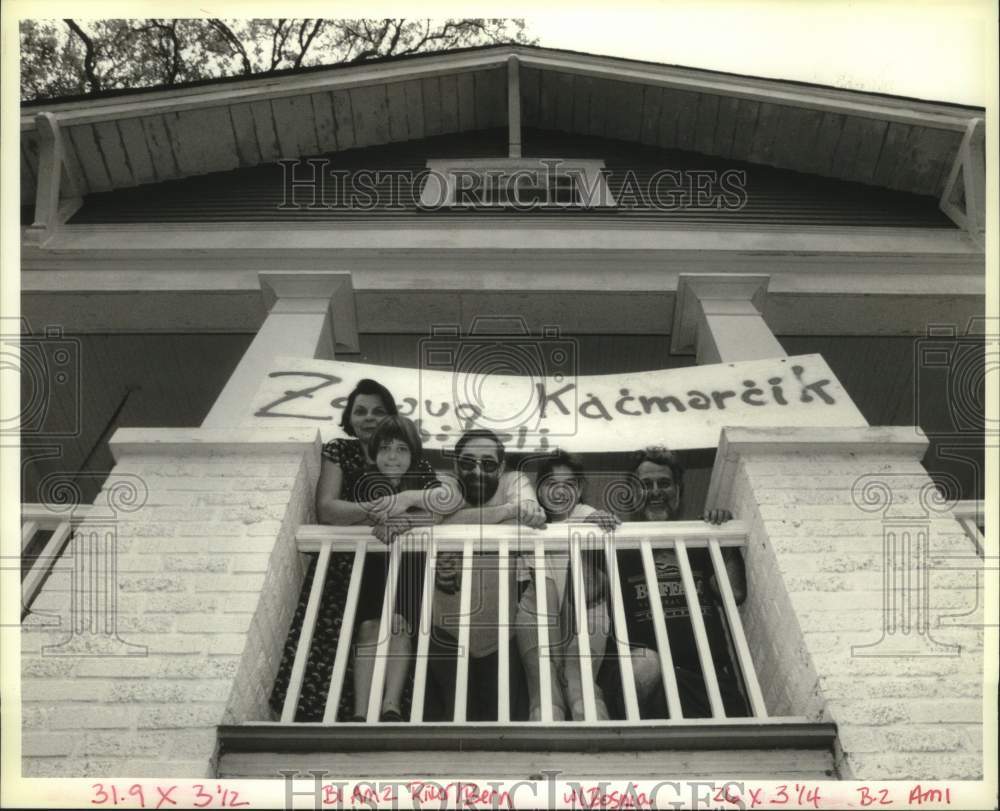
pixel 681 408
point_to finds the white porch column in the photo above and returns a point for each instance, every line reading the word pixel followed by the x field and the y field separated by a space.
pixel 718 318
pixel 864 606
pixel 190 633
pixel 311 315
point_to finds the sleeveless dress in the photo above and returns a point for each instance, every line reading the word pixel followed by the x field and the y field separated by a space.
pixel 358 480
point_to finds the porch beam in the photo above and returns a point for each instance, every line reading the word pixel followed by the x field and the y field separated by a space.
pixel 513 108
pixel 284 242
pixel 299 323
pixel 637 310
pixel 719 318
pixel 784 733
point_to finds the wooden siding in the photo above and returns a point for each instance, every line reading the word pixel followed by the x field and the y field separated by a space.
pixel 846 147
pixel 119 381
pixel 120 152
pixel 153 148
pixel 774 196
pixel 892 383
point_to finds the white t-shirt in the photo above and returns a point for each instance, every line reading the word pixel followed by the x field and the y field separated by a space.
pixel 556 564
pixel 484 613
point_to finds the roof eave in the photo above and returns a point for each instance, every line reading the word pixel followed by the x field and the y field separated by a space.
pixel 875 105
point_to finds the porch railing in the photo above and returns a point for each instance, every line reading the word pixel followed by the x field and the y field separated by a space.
pixel 971 515
pixel 570 540
pixel 36 519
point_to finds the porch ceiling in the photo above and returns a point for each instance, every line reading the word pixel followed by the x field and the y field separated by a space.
pixel 154 136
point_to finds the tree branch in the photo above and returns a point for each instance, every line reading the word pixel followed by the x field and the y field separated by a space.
pixel 308 42
pixel 175 62
pixel 382 33
pixel 429 37
pixel 168 34
pixel 89 55
pixel 94 56
pixel 278 48
pixel 234 43
pixel 374 40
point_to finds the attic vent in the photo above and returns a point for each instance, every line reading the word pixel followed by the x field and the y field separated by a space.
pixel 522 184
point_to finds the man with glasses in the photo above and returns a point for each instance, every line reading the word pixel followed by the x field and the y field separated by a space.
pixel 490 494
pixel 659 478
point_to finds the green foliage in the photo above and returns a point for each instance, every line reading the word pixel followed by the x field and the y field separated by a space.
pixel 72 57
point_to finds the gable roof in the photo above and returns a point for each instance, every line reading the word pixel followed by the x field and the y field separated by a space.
pixel 118 140
pixel 52 102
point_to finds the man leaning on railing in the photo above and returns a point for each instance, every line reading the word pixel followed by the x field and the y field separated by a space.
pixel 660 476
pixel 490 495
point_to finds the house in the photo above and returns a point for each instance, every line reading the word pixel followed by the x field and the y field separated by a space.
pixel 180 241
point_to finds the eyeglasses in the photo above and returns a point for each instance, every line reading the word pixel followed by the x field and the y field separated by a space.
pixel 657 484
pixel 470 463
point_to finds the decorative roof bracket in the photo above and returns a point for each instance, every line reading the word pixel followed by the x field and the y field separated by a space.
pixel 964 196
pixel 56 195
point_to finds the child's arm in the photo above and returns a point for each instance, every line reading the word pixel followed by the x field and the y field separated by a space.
pixel 425 491
pixel 396 504
pixel 439 495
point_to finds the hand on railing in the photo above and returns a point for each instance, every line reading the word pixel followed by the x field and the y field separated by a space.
pixel 389 506
pixel 717 516
pixel 528 513
pixel 388 527
pixel 605 520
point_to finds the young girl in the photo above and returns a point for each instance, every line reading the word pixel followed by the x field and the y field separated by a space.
pixel 403 486
pixel 344 460
pixel 559 487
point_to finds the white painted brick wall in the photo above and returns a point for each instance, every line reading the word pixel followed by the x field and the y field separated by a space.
pixel 200 564
pixel 815 573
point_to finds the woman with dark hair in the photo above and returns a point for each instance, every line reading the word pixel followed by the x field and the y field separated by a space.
pixel 345 460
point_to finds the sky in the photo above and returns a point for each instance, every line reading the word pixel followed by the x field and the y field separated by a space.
pixel 939 51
